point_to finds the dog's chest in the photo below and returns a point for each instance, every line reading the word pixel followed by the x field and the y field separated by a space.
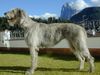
pixel 31 38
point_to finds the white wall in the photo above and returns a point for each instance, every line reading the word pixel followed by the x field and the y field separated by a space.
pixel 93 42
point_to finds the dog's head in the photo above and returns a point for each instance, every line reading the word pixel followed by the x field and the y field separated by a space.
pixel 14 16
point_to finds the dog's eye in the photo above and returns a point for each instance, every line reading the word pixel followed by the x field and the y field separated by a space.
pixel 10 18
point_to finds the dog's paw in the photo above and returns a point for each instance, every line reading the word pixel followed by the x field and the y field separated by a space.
pixel 91 70
pixel 29 72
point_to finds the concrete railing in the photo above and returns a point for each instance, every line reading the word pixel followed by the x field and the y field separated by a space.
pixel 16 35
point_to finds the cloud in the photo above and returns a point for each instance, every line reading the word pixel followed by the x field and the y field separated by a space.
pixel 35 16
pixel 30 16
pixel 47 15
pixel 96 2
pixel 79 4
pixel 44 16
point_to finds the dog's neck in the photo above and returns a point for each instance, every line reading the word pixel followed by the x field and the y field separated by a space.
pixel 27 22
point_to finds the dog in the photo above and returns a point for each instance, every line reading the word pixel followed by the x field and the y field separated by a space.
pixel 39 35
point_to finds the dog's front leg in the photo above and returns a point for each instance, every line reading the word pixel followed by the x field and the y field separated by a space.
pixel 34 58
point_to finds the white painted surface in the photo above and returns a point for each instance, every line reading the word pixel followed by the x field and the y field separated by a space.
pixel 93 42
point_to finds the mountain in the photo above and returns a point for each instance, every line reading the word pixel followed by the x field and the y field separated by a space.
pixel 67 12
pixel 89 14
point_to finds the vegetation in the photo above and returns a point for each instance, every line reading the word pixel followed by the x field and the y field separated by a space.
pixel 50 20
pixel 88 24
pixel 16 64
pixel 4 25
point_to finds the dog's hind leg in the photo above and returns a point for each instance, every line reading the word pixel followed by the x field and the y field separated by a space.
pixel 34 58
pixel 85 52
pixel 81 59
pixel 90 59
pixel 82 45
pixel 78 55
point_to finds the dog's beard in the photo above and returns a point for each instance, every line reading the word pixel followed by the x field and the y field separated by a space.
pixel 10 23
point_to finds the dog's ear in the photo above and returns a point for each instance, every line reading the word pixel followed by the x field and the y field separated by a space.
pixel 21 13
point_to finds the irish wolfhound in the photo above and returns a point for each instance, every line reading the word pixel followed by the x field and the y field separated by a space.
pixel 42 35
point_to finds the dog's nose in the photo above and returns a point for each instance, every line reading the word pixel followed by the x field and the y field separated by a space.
pixel 5 13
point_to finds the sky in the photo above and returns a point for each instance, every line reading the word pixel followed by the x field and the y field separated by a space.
pixel 44 7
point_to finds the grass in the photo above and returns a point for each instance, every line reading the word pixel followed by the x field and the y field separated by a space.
pixel 16 64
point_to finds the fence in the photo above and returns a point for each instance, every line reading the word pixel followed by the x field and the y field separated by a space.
pixel 16 35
